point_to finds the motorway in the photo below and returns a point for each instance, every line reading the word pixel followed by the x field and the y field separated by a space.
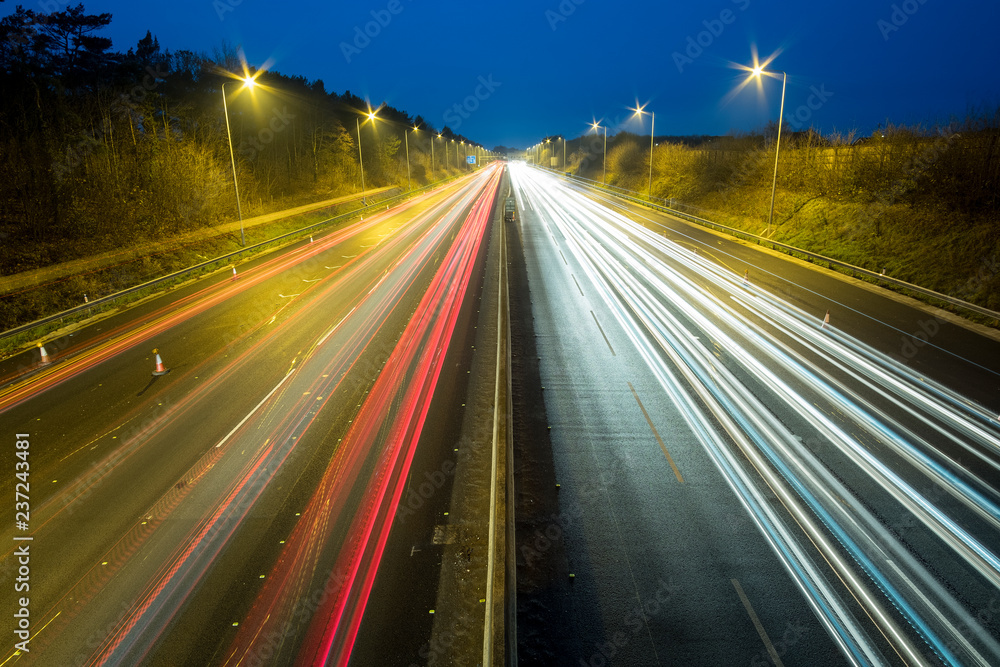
pixel 235 510
pixel 740 482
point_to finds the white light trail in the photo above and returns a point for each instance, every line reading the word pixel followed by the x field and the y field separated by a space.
pixel 842 433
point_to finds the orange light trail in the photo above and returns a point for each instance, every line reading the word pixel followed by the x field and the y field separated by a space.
pixel 385 434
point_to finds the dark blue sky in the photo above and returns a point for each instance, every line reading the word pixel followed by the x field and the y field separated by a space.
pixel 547 67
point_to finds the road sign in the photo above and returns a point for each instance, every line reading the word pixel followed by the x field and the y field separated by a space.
pixel 471 159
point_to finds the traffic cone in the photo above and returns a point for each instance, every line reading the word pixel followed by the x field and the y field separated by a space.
pixel 85 299
pixel 234 273
pixel 45 355
pixel 310 238
pixel 159 370
pixel 826 320
pixel 746 277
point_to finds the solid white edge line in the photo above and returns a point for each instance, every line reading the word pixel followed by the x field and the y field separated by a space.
pixel 491 561
pixel 250 414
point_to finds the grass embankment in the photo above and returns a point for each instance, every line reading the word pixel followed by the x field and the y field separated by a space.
pixel 922 206
pixel 933 248
pixel 32 295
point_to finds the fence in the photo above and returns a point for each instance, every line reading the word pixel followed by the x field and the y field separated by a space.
pixel 27 331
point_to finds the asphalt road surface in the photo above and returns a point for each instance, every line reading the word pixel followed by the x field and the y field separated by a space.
pixel 234 509
pixel 741 482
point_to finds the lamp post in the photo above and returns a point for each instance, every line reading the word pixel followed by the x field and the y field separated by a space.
pixel 652 133
pixel 757 71
pixel 432 152
pixel 248 82
pixel 597 126
pixel 406 140
pixel 361 159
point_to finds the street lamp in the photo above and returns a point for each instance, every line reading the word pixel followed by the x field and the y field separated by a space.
pixel 361 159
pixel 757 72
pixel 249 83
pixel 596 126
pixel 406 139
pixel 652 133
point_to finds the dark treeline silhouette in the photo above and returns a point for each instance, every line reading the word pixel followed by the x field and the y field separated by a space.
pixel 102 149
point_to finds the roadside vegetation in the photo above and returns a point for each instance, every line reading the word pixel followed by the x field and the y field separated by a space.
pixel 922 204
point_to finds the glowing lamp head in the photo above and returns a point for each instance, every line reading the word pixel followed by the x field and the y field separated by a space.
pixel 757 71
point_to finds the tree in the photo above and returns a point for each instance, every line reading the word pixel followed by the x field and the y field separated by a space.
pixel 71 44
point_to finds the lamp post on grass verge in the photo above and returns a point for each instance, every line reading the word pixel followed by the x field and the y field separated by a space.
pixel 652 133
pixel 361 160
pixel 597 126
pixel 249 83
pixel 757 72
pixel 406 138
